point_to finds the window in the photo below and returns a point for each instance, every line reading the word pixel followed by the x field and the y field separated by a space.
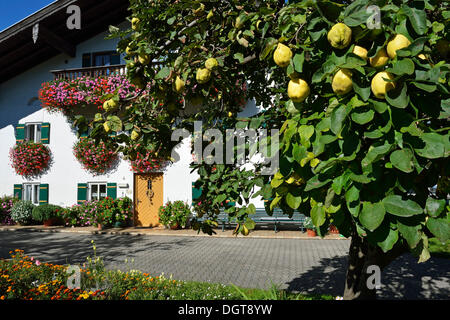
pixel 98 59
pixel 97 191
pixel 31 192
pixel 33 132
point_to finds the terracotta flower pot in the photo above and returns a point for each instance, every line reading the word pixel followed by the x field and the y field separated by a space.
pixel 311 233
pixel 333 230
pixel 50 222
pixel 175 227
pixel 99 226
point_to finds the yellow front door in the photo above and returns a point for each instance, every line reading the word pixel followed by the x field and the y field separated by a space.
pixel 148 197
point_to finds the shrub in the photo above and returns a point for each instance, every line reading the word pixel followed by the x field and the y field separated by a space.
pixel 174 213
pixel 77 216
pixel 21 212
pixel 45 212
pixel 308 224
pixel 6 204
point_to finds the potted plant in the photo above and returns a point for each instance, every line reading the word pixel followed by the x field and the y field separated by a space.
pixel 310 227
pixel 48 214
pixel 174 214
pixel 123 212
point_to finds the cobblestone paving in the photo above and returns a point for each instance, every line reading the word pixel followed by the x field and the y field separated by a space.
pixel 313 266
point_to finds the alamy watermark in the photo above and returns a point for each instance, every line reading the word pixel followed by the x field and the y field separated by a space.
pixel 231 149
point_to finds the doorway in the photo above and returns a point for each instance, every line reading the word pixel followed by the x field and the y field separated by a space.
pixel 148 197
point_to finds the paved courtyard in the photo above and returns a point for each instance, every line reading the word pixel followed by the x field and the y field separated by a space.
pixel 302 265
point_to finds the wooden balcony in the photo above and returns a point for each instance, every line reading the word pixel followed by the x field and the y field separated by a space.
pixel 70 74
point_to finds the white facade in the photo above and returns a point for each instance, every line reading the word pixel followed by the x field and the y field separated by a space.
pixel 19 105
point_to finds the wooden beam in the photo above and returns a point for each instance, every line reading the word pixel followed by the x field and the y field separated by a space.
pixel 57 42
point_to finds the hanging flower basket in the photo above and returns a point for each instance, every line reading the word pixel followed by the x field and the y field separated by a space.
pixel 95 158
pixel 30 159
pixel 145 163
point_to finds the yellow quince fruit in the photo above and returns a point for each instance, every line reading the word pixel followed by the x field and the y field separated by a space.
pixel 110 105
pixel 211 64
pixel 135 23
pixel 179 84
pixel 106 127
pixel 380 59
pixel 298 90
pixel 282 55
pixel 342 82
pixel 135 135
pixel 340 36
pixel 144 59
pixel 360 52
pixel 380 86
pixel 203 75
pixel 398 42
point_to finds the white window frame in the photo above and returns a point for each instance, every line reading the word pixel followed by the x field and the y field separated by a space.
pixel 35 191
pixel 37 133
pixel 98 184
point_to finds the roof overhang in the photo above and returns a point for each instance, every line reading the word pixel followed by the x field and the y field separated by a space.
pixel 18 51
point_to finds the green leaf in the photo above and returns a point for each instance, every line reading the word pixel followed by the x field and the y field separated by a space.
pixel 439 227
pixel 315 183
pixel 398 97
pixel 435 146
pixel 363 117
pixel 403 160
pixel 115 123
pixel 270 45
pixel 411 234
pixel 163 73
pixel 298 60
pixel 395 205
pixel 434 207
pixel 251 209
pixel 293 201
pixel 352 200
pixel 337 119
pixel 318 215
pixel 388 243
pixel 414 48
pixel 372 215
pixel 239 57
pixel 401 67
pixel 425 86
pixel 417 18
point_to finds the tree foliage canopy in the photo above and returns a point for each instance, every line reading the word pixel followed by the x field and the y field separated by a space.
pixel 362 162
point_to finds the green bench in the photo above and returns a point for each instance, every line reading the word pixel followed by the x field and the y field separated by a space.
pixel 261 217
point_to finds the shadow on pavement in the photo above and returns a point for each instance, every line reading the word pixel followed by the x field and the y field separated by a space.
pixel 404 278
pixel 74 249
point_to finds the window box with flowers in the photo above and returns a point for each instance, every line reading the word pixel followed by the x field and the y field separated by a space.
pixel 97 158
pixel 63 95
pixel 30 159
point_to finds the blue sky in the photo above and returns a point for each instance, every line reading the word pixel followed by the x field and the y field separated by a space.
pixel 12 11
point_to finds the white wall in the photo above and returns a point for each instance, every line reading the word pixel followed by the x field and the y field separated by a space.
pixel 18 104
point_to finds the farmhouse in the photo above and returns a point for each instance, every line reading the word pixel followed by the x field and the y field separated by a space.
pixel 44 47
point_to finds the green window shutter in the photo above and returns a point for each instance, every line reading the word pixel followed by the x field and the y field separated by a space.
pixel 18 191
pixel 111 190
pixel 82 193
pixel 20 133
pixel 45 133
pixel 112 134
pixel 43 193
pixel 196 192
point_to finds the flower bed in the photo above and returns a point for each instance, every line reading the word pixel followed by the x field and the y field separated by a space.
pixel 95 158
pixel 62 95
pixel 25 278
pixel 6 204
pixel 106 212
pixel 30 159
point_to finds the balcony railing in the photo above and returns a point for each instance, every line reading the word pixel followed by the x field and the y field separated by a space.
pixel 70 74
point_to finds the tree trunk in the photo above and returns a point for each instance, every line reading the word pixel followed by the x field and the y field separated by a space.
pixel 361 256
